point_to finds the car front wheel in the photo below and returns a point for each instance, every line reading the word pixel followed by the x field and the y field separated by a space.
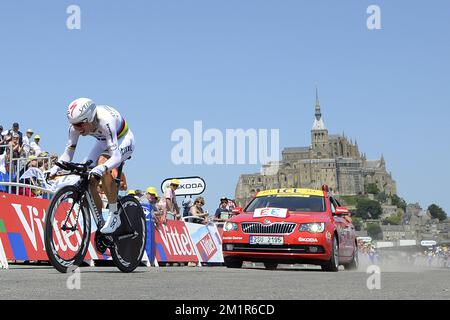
pixel 333 264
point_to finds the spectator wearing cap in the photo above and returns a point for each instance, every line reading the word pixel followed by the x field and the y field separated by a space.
pixel 35 145
pixel 15 129
pixel 132 193
pixel 32 162
pixel 139 194
pixel 44 161
pixel 223 212
pixel 157 211
pixel 171 199
pixel 26 147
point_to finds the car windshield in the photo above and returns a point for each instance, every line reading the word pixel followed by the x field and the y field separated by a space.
pixel 303 204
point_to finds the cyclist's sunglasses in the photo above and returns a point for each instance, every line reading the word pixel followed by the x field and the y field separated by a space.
pixel 79 125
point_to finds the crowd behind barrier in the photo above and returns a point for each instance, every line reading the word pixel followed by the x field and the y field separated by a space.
pixel 434 257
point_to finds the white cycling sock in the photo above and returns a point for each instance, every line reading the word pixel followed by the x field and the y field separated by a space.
pixel 113 207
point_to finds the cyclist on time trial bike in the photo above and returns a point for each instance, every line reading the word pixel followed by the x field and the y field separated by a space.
pixel 113 136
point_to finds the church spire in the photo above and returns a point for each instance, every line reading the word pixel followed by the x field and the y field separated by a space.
pixel 318 112
pixel 318 121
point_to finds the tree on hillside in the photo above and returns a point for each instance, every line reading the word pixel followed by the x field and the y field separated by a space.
pixel 437 212
pixel 381 197
pixel 368 209
pixel 374 231
pixel 395 220
pixel 372 188
pixel 399 202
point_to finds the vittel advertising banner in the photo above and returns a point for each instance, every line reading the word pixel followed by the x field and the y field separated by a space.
pixel 207 242
pixel 177 241
pixel 22 230
pixel 173 243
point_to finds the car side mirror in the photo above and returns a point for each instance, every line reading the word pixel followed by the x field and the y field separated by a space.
pixel 342 211
pixel 238 210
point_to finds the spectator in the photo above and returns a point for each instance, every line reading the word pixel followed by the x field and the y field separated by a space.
pixel 171 199
pixel 15 144
pixel 223 212
pixel 53 160
pixel 146 199
pixel 32 162
pixel 139 194
pixel 15 129
pixel 26 142
pixel 187 204
pixel 35 147
pixel 2 140
pixel 2 162
pixel 4 176
pixel 158 214
pixel 44 161
pixel 197 211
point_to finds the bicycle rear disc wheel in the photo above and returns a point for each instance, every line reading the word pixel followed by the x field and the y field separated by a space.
pixel 128 252
pixel 67 249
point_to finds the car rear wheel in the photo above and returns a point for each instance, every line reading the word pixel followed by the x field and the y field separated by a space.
pixel 233 263
pixel 333 264
pixel 270 265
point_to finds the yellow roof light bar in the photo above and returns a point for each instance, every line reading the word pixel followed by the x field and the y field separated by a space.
pixel 290 192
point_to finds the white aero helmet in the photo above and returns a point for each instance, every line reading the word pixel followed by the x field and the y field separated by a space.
pixel 81 110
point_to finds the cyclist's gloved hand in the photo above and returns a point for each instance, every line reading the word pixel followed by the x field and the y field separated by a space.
pixel 97 172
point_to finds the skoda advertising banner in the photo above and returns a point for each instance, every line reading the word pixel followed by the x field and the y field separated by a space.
pixel 189 186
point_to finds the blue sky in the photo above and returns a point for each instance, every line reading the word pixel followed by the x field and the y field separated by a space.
pixel 238 64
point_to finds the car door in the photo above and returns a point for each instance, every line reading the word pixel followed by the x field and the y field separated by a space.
pixel 340 228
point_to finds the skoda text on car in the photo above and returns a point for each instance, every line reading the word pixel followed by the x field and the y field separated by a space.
pixel 292 226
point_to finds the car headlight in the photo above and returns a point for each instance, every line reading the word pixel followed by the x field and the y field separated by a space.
pixel 230 226
pixel 316 227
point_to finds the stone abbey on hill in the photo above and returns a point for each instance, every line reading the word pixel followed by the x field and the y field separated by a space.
pixel 331 159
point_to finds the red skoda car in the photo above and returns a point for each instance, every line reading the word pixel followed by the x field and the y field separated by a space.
pixel 292 226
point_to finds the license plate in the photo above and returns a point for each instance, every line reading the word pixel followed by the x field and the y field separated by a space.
pixel 266 240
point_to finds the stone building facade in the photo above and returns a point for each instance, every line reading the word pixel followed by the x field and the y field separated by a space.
pixel 330 159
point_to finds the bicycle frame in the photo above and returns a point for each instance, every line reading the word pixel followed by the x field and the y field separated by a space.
pixel 85 193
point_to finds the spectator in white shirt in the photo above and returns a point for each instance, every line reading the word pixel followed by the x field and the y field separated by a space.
pixel 171 199
pixel 35 145
pixel 26 142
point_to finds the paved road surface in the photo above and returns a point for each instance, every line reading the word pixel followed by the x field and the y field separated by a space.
pixel 253 283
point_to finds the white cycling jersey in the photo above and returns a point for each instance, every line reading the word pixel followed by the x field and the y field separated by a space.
pixel 112 134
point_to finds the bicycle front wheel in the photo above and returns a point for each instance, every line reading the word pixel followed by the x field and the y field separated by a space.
pixel 129 250
pixel 67 230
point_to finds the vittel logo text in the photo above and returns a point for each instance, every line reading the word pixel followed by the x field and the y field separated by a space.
pixel 178 244
pixel 33 225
